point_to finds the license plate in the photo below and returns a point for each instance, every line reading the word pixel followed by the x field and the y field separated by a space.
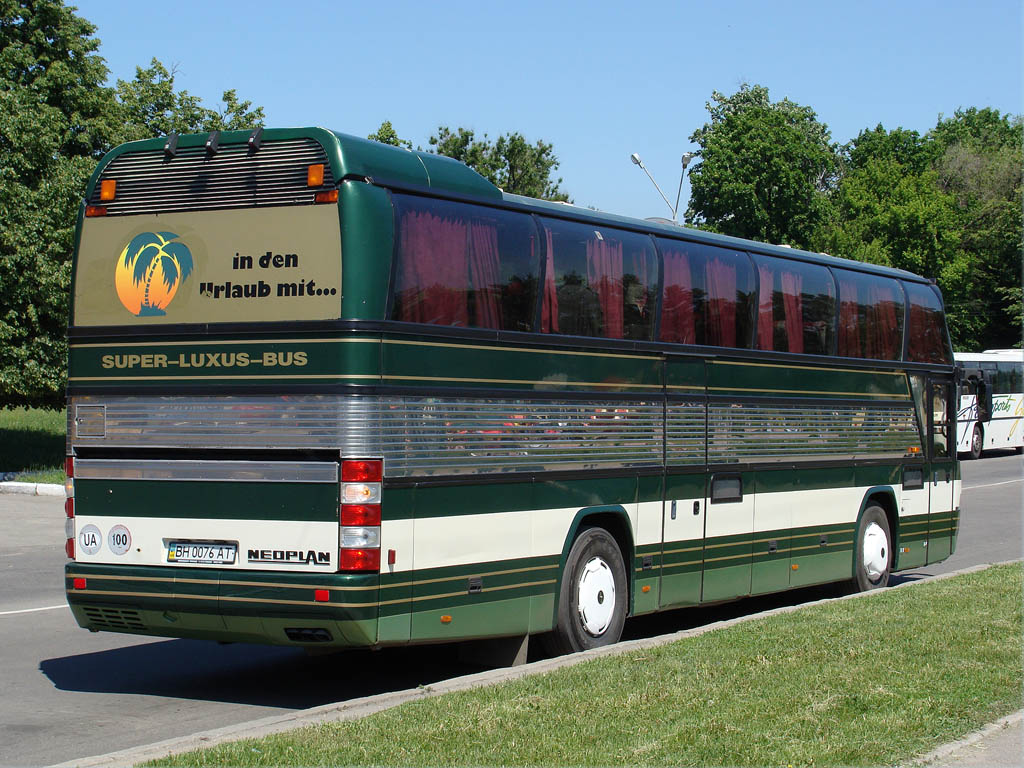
pixel 201 552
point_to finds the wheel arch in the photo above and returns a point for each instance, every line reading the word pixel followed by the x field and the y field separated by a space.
pixel 612 518
pixel 885 497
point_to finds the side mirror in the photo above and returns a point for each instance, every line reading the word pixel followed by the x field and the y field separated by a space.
pixel 984 398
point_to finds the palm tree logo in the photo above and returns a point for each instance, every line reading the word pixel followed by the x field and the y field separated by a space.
pixel 149 271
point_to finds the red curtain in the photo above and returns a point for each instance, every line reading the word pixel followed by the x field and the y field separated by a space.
pixel 792 300
pixel 849 330
pixel 486 274
pixel 884 335
pixel 721 306
pixel 604 274
pixel 765 315
pixel 433 255
pixel 549 308
pixel 677 320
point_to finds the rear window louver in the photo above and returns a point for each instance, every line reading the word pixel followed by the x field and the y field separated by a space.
pixel 232 177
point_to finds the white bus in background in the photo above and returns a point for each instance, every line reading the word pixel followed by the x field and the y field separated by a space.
pixel 1001 371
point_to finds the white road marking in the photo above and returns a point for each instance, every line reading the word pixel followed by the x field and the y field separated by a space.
pixel 34 610
pixel 990 485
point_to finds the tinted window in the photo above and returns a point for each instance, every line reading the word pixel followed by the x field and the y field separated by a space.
pixel 707 296
pixel 795 306
pixel 598 282
pixel 870 316
pixel 464 265
pixel 1007 379
pixel 927 339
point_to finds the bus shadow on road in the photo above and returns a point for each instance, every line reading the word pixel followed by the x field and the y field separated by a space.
pixel 256 675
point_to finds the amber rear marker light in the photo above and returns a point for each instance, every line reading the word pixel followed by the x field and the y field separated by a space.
pixel 315 175
pixel 95 210
pixel 108 189
pixel 326 197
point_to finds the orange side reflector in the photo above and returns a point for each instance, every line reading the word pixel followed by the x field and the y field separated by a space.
pixel 326 197
pixel 446 619
pixel 108 189
pixel 645 589
pixel 796 567
pixel 315 175
pixel 95 210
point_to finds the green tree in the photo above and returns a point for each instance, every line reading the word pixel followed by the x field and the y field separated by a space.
pixel 765 168
pixel 509 162
pixel 56 118
pixel 150 107
pixel 387 134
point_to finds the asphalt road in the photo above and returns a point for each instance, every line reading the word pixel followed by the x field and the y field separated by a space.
pixel 69 693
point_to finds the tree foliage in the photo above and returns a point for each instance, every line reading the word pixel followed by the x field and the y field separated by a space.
pixel 57 118
pixel 765 168
pixel 387 134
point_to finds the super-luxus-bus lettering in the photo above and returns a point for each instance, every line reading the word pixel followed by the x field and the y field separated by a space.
pixel 205 360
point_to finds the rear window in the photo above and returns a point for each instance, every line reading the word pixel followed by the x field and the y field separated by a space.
pixel 598 282
pixel 927 341
pixel 707 296
pixel 870 316
pixel 464 265
pixel 795 307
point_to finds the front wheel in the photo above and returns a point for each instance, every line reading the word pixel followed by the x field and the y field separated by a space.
pixel 874 550
pixel 592 600
pixel 976 442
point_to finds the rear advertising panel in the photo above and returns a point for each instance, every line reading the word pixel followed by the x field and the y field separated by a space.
pixel 248 265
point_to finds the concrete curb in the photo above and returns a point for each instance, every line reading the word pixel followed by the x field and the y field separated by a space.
pixel 947 751
pixel 32 489
pixel 357 708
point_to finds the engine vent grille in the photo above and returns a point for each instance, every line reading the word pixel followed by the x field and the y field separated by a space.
pixel 233 177
pixel 118 619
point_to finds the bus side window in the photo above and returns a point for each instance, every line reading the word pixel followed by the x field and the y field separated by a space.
pixel 871 309
pixel 796 306
pixel 598 282
pixel 928 341
pixel 708 295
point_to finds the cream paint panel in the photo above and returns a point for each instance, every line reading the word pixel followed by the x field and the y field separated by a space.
pixel 826 506
pixel 397 535
pixel 465 539
pixel 149 536
pixel 647 527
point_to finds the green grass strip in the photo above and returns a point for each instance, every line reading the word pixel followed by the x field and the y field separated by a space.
pixel 872 681
pixel 32 444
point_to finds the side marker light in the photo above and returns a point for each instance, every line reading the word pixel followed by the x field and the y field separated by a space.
pixel 108 190
pixel 79 583
pixel 321 595
pixel 446 619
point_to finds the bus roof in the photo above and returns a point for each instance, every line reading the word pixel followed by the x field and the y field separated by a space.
pixel 352 157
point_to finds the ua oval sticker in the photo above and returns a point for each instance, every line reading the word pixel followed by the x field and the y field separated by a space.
pixel 149 271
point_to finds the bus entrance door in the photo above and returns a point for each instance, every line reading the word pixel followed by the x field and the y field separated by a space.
pixel 942 453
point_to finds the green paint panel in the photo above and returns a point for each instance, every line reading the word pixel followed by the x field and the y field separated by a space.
pixel 598 492
pixel 542 612
pixel 451 500
pixel 725 582
pixel 457 364
pixel 791 380
pixel 213 500
pixel 645 602
pixel 495 618
pixel 368 231
pixel 685 375
pixel 680 587
pixel 770 574
pixel 300 360
pixel 832 564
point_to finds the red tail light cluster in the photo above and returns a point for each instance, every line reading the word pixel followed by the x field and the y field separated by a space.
pixel 69 507
pixel 360 515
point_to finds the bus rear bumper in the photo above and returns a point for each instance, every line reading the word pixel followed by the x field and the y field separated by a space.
pixel 297 609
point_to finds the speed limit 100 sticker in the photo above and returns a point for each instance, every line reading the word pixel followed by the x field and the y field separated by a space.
pixel 119 540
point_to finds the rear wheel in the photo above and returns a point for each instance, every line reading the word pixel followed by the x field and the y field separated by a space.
pixel 592 600
pixel 874 550
pixel 976 442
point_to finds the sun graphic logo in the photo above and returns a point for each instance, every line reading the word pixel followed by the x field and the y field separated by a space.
pixel 149 271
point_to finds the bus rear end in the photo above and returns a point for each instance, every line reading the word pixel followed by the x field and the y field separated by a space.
pixel 209 495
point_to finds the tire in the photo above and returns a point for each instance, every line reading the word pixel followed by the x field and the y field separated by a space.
pixel 873 553
pixel 977 441
pixel 593 597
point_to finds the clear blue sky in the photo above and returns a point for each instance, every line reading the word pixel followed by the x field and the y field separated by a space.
pixel 599 80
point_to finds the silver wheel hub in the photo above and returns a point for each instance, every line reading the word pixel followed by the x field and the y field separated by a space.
pixel 596 596
pixel 875 552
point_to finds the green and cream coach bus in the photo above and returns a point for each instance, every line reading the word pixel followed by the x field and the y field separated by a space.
pixel 328 392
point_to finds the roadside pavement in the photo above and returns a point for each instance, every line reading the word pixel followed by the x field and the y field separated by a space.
pixel 998 745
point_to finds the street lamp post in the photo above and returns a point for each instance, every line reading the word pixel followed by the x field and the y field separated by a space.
pixel 687 157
